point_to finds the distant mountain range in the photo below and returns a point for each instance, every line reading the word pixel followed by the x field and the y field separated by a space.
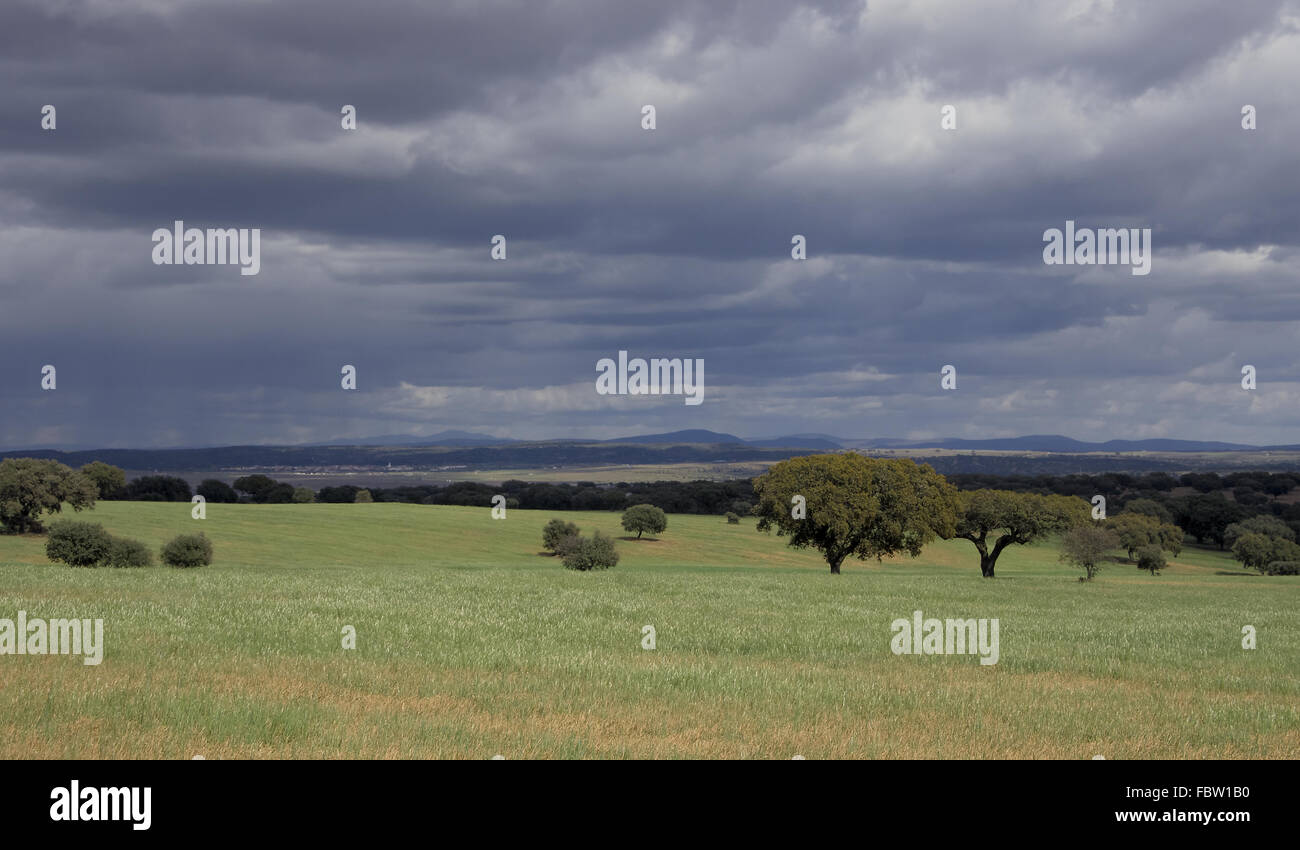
pixel 1057 443
pixel 700 436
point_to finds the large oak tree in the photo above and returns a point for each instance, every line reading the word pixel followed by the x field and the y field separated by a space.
pixel 855 506
pixel 30 487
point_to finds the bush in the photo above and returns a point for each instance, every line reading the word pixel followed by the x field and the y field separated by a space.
pixel 303 495
pixel 565 546
pixel 732 519
pixel 364 497
pixel 1283 568
pixel 188 550
pixel 590 553
pixel 124 552
pixel 77 544
pixel 643 518
pixel 555 533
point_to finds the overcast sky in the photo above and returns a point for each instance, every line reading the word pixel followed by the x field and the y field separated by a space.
pixel 924 245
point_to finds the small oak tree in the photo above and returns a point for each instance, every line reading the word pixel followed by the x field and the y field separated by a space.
pixel 643 518
pixel 995 519
pixel 1086 546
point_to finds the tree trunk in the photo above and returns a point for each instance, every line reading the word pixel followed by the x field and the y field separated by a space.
pixel 835 565
pixel 986 559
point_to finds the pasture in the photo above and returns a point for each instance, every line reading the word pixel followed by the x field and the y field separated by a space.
pixel 469 644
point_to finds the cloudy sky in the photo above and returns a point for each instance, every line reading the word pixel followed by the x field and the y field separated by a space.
pixel 924 245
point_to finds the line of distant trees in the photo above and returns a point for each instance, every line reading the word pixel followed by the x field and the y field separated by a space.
pixel 1202 504
pixel 674 497
pixel 685 497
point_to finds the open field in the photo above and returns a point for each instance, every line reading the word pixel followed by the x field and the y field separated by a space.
pixel 470 644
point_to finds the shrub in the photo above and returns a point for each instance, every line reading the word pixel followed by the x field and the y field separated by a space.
pixel 591 553
pixel 566 545
pixel 303 495
pixel 363 496
pixel 643 518
pixel 78 544
pixel 1283 568
pixel 555 533
pixel 188 550
pixel 732 519
pixel 124 552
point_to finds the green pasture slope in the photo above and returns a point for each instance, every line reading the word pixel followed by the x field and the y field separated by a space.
pixel 471 644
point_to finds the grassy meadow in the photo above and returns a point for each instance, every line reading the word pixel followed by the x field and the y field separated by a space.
pixel 471 644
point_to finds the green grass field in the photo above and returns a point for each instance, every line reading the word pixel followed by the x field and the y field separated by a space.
pixel 471 644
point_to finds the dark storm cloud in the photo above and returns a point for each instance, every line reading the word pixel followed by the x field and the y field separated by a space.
pixel 524 119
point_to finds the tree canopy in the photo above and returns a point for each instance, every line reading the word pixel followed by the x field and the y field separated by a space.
pixel 31 487
pixel 855 506
pixel 108 479
pixel 643 518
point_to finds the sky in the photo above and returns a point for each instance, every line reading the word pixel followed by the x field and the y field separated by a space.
pixel 924 243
